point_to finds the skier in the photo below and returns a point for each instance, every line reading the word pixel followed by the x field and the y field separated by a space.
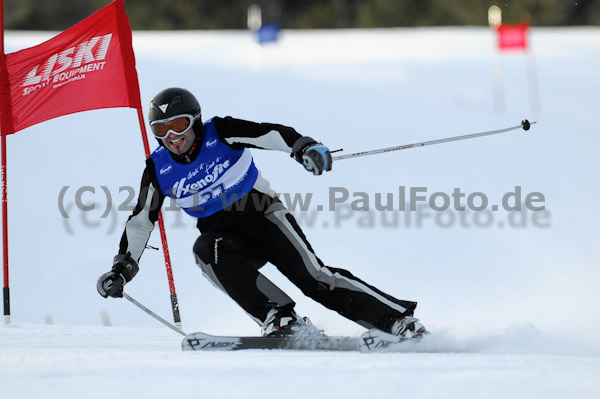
pixel 208 170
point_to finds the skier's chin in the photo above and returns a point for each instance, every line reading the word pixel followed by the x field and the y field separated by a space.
pixel 178 145
pixel 178 150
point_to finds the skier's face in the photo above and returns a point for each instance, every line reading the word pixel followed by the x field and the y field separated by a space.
pixel 179 144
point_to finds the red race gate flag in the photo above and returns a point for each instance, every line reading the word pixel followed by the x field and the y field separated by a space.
pixel 512 37
pixel 89 66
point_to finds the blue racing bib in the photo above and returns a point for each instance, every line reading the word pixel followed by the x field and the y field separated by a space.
pixel 217 178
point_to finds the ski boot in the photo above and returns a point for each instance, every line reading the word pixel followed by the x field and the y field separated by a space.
pixel 408 327
pixel 284 322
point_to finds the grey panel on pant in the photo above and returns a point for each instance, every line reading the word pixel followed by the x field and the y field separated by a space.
pixel 271 291
pixel 209 273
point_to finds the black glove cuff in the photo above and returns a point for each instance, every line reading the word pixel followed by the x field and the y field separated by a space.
pixel 300 145
pixel 126 266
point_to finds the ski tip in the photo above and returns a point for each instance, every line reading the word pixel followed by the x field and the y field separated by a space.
pixel 193 341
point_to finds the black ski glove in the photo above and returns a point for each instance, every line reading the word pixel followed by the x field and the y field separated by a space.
pixel 314 156
pixel 123 271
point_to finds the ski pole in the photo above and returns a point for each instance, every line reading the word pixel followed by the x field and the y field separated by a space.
pixel 525 125
pixel 151 313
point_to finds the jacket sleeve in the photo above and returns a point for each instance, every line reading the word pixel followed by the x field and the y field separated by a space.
pixel 140 224
pixel 239 134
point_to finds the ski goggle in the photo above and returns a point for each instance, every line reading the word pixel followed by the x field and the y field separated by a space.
pixel 178 125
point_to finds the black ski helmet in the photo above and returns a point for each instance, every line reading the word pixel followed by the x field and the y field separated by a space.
pixel 173 101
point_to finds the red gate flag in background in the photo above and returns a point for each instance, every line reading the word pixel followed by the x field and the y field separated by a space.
pixel 513 37
pixel 89 66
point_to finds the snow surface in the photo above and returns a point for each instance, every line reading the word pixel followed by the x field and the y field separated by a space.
pixel 513 301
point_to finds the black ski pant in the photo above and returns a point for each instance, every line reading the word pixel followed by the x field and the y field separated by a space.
pixel 231 258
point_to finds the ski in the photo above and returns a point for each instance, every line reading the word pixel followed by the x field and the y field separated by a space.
pixel 379 341
pixel 372 341
pixel 199 341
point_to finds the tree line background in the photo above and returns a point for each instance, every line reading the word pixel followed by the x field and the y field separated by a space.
pixel 301 14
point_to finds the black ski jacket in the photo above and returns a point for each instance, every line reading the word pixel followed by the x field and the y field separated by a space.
pixel 236 133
